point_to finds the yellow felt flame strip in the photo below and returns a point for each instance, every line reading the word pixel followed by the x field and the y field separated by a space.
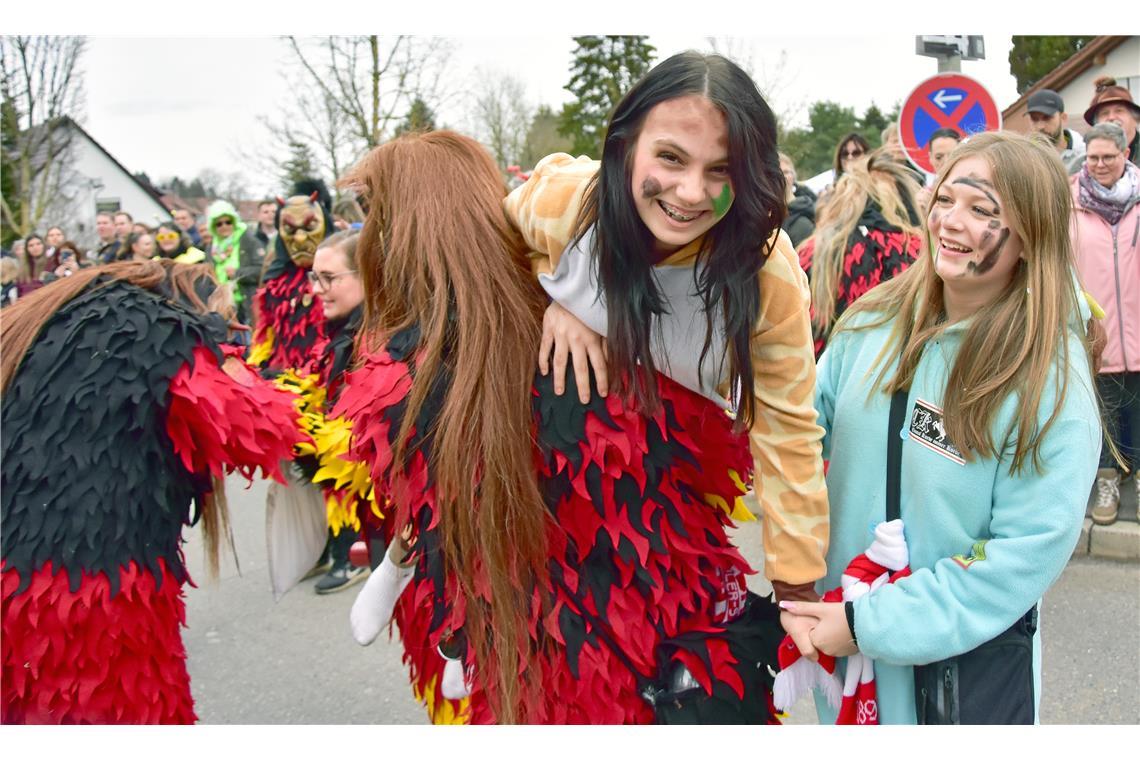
pixel 346 482
pixel 739 512
pixel 259 353
pixel 446 714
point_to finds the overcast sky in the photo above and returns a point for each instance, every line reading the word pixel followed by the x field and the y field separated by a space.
pixel 176 105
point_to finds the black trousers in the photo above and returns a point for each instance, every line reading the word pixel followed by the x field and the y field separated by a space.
pixel 1120 397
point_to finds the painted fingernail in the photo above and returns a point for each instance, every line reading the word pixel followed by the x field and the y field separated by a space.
pixel 787 606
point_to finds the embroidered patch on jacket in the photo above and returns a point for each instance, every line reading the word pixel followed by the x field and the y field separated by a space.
pixel 977 554
pixel 927 428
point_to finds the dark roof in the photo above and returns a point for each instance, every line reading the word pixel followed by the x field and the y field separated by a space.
pixel 146 187
pixel 1071 68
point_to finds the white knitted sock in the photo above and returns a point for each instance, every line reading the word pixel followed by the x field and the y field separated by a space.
pixel 373 607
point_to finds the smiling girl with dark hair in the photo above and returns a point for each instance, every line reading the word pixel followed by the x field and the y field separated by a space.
pixel 670 247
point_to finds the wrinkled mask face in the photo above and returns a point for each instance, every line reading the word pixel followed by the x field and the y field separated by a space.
pixel 302 228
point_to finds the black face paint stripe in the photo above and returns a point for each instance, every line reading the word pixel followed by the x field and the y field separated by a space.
pixel 990 258
pixel 979 185
pixel 994 224
pixel 650 187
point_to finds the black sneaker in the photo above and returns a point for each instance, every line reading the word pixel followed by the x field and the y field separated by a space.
pixel 340 578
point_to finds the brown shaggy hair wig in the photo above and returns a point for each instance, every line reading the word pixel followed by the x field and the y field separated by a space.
pixel 437 251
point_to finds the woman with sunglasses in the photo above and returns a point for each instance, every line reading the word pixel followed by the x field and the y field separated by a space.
pixel 237 256
pixel 174 243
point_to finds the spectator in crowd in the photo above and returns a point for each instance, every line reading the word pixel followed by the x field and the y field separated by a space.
pixel 9 280
pixel 1105 233
pixel 800 220
pixel 53 239
pixel 868 232
pixel 941 142
pixel 850 150
pixel 174 243
pixel 109 243
pixel 140 228
pixel 123 224
pixel 347 214
pixel 71 259
pixel 139 246
pixel 1111 102
pixel 185 221
pixel 33 264
pixel 17 251
pixel 236 253
pixel 890 142
pixel 266 226
pixel 205 237
pixel 1045 112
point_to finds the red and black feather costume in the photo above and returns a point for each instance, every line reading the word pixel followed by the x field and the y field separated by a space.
pixel 876 252
pixel 117 418
pixel 290 323
pixel 632 537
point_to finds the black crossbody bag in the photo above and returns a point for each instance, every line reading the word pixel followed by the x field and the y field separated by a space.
pixel 676 698
pixel 989 685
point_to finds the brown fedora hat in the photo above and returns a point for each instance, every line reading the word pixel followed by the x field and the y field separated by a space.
pixel 1108 91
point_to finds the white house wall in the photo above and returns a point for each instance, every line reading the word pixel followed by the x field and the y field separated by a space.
pixel 101 180
pixel 1122 62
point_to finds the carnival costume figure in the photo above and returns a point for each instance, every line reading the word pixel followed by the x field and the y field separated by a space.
pixel 122 411
pixel 290 328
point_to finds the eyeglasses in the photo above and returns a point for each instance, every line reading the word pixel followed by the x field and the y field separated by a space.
pixel 326 280
pixel 851 154
pixel 167 237
pixel 224 222
pixel 1106 160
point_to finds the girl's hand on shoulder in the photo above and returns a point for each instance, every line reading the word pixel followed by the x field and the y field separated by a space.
pixel 831 635
pixel 569 337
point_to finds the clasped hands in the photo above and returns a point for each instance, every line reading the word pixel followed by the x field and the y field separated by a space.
pixel 818 626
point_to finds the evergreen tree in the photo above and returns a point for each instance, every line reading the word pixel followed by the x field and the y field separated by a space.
pixel 301 164
pixel 9 128
pixel 1034 56
pixel 420 118
pixel 604 69
pixel 543 138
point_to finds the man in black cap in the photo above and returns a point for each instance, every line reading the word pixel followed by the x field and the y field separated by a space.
pixel 1046 114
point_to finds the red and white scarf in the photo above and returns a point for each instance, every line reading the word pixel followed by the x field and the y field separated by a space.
pixel 885 561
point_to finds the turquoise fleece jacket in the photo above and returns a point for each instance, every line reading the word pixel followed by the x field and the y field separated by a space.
pixel 962 592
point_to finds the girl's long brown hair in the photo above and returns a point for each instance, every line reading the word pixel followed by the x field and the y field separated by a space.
pixel 22 322
pixel 437 251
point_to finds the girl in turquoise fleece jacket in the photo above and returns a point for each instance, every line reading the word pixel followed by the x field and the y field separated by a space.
pixel 1002 432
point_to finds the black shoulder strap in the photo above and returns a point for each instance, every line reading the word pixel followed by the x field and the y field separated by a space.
pixel 894 453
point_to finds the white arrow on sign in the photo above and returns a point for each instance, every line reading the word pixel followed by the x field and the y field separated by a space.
pixel 941 98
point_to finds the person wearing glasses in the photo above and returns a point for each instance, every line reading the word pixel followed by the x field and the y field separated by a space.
pixel 236 254
pixel 852 148
pixel 334 278
pixel 1106 242
pixel 174 243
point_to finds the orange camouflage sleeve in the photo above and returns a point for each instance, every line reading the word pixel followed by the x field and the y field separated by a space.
pixel 786 441
pixel 545 207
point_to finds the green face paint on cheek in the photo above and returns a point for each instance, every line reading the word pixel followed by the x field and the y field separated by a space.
pixel 722 202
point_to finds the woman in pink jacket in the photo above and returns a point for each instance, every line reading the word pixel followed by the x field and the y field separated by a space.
pixel 1106 243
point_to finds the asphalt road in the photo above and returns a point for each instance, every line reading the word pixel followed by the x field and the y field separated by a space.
pixel 253 661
